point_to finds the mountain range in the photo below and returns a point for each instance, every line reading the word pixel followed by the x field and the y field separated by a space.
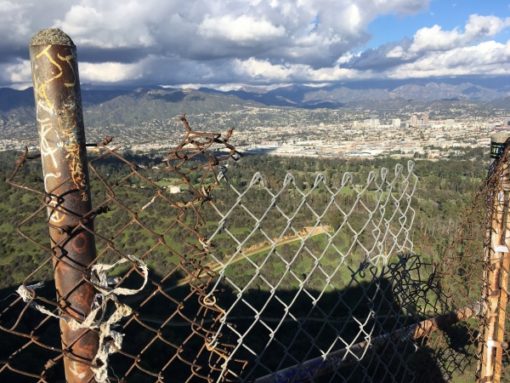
pixel 133 106
pixel 334 96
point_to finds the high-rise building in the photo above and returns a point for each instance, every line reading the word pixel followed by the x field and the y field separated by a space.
pixel 425 118
pixel 414 121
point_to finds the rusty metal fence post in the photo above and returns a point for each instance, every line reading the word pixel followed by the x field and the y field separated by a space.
pixel 497 257
pixel 66 183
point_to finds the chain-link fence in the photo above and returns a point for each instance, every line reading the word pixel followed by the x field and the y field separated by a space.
pixel 290 282
pixel 312 272
pixel 148 242
pixel 148 268
pixel 199 277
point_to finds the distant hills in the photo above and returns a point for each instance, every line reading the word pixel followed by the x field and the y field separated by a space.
pixel 133 106
pixel 130 107
pixel 355 94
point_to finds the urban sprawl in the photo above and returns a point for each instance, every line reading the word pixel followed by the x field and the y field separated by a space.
pixel 298 132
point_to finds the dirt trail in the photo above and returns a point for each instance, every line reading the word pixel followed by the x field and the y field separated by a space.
pixel 308 231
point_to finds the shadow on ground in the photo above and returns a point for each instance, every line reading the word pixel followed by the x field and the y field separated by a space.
pixel 163 339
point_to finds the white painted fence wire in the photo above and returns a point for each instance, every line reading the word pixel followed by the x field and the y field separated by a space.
pixel 309 274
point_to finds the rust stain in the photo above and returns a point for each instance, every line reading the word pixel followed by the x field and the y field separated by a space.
pixel 60 124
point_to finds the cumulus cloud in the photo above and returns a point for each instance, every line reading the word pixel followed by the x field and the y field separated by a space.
pixel 434 51
pixel 110 72
pixel 206 39
pixel 487 58
pixel 18 72
pixel 435 38
pixel 243 29
pixel 245 41
pixel 264 70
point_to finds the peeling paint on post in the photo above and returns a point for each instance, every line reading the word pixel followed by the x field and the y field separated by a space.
pixel 63 155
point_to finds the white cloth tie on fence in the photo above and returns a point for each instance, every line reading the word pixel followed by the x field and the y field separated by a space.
pixel 110 341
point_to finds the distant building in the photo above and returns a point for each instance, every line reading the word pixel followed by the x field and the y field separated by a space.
pixel 449 123
pixel 419 121
pixel 371 123
pixel 425 119
pixel 414 121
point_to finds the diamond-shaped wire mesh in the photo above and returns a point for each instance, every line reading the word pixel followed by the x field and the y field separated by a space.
pixel 138 222
pixel 296 281
pixel 312 270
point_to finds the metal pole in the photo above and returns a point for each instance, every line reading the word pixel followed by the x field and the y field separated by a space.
pixel 66 182
pixel 497 257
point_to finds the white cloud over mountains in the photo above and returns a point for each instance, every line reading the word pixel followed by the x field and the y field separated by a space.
pixel 250 41
pixel 436 39
pixel 435 52
pixel 243 29
pixel 485 58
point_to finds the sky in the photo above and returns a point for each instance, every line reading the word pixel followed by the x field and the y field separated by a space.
pixel 225 43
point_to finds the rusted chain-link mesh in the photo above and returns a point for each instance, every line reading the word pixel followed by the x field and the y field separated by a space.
pixel 471 270
pixel 141 220
pixel 289 282
pixel 493 345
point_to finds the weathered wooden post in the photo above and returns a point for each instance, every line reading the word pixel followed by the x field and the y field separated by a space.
pixel 66 182
pixel 497 257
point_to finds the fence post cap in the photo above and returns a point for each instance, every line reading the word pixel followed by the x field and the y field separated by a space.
pixel 51 36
